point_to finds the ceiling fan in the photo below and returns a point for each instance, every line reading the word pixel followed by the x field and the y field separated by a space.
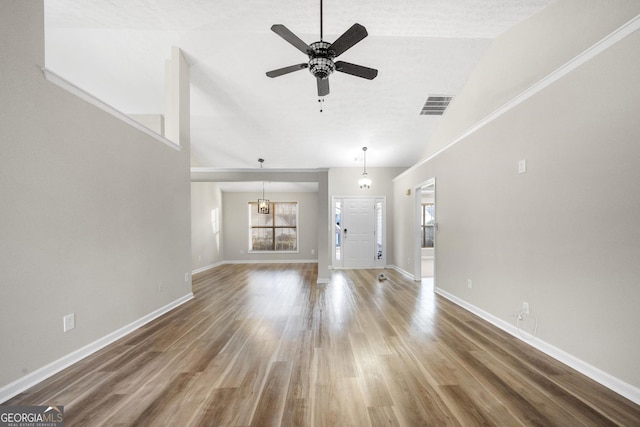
pixel 322 54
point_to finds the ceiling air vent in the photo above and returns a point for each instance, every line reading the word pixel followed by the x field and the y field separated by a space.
pixel 435 105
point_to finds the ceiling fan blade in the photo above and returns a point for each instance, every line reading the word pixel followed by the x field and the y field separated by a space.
pixel 356 70
pixel 287 70
pixel 350 37
pixel 323 86
pixel 286 34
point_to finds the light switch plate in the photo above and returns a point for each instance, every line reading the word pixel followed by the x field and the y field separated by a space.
pixel 69 322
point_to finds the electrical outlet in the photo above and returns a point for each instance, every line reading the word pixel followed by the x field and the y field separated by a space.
pixel 186 277
pixel 69 322
pixel 469 284
pixel 522 166
pixel 525 307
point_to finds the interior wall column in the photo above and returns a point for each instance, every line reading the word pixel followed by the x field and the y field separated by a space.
pixel 177 122
pixel 324 242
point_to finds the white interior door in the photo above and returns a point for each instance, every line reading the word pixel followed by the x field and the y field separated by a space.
pixel 358 233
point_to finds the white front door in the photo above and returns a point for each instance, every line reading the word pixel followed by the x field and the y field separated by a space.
pixel 359 238
pixel 358 233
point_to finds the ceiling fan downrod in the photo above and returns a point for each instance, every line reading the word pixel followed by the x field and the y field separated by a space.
pixel 320 20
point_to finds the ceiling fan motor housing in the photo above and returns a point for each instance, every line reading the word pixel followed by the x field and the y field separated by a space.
pixel 320 60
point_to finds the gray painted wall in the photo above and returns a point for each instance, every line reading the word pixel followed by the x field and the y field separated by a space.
pixel 236 226
pixel 206 225
pixel 564 236
pixel 205 200
pixel 94 214
pixel 525 55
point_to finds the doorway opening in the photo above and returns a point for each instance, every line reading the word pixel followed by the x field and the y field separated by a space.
pixel 426 230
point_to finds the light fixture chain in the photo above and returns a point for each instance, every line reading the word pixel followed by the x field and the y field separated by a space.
pixel 365 159
pixel 263 204
pixel 364 182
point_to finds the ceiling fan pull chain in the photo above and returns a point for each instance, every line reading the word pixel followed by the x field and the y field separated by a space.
pixel 321 101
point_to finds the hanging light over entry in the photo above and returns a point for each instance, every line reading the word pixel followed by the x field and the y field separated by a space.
pixel 263 204
pixel 364 182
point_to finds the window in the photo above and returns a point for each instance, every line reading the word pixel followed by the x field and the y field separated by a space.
pixel 276 231
pixel 428 221
pixel 378 230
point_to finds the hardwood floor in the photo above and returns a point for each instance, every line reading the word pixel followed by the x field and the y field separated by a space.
pixel 264 345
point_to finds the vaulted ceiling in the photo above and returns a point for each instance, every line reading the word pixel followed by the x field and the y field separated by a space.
pixel 115 49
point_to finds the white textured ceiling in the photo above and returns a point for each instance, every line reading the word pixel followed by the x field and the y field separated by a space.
pixel 115 49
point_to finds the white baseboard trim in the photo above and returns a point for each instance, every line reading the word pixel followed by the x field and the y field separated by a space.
pixel 403 272
pixel 207 267
pixel 615 384
pixel 320 281
pixel 41 374
pixel 271 261
pixel 248 261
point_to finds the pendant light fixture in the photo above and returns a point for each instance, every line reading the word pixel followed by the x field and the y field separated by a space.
pixel 364 182
pixel 263 204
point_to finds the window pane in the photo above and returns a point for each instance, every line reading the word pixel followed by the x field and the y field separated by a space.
pixel 261 239
pixel 379 231
pixel 286 239
pixel 285 214
pixel 428 210
pixel 429 236
pixel 430 219
pixel 258 219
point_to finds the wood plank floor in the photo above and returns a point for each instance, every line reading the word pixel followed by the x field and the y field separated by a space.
pixel 264 345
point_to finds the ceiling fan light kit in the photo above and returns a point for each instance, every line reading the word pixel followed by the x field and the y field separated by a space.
pixel 320 64
pixel 321 55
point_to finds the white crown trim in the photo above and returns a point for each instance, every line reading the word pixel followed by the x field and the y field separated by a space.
pixel 602 45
